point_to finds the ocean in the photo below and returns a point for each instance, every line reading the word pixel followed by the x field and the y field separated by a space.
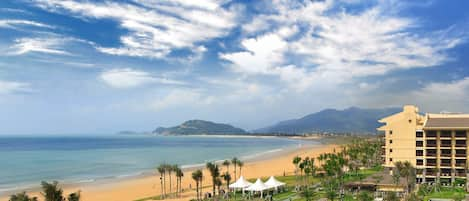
pixel 26 161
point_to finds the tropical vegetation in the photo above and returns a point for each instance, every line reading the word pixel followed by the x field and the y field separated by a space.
pixel 50 192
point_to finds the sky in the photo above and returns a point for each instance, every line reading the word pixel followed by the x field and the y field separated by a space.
pixel 72 66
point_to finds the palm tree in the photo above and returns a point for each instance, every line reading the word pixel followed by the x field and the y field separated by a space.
pixel 302 165
pixel 165 168
pixel 179 175
pixel 227 177
pixel 234 161
pixel 218 183
pixel 215 173
pixel 406 170
pixel 74 196
pixel 171 168
pixel 22 197
pixel 396 176
pixel 161 169
pixel 296 161
pixel 410 175
pixel 52 192
pixel 227 163
pixel 240 165
pixel 391 196
pixel 197 177
pixel 364 196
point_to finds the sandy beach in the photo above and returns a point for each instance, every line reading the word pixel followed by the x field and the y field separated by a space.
pixel 138 188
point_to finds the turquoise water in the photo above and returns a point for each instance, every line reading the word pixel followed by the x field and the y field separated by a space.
pixel 25 161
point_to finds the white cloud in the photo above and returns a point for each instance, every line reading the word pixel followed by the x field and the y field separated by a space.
pixel 129 78
pixel 48 45
pixel 13 24
pixel 452 96
pixel 14 10
pixel 9 87
pixel 181 98
pixel 155 28
pixel 335 46
pixel 261 54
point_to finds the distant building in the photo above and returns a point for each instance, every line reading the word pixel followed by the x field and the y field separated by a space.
pixel 436 144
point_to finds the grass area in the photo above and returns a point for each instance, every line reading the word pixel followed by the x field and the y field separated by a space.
pixel 284 195
pixel 448 193
pixel 364 173
pixel 158 197
pixel 291 181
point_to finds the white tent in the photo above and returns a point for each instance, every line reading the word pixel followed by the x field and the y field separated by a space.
pixel 273 183
pixel 259 186
pixel 240 184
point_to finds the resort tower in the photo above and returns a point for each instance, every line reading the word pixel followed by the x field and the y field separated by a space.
pixel 436 144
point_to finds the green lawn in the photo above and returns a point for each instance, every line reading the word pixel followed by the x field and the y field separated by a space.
pixel 449 193
pixel 292 180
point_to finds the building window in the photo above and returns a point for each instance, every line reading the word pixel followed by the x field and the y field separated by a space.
pixel 419 152
pixel 460 133
pixel 390 159
pixel 410 121
pixel 390 132
pixel 419 162
pixel 446 134
pixel 390 150
pixel 419 134
pixel 431 133
pixel 390 141
pixel 419 143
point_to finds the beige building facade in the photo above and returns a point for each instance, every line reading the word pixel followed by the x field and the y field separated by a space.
pixel 436 144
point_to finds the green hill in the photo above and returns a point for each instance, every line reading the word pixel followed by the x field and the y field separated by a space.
pixel 200 127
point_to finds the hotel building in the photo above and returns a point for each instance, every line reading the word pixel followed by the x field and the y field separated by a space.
pixel 436 144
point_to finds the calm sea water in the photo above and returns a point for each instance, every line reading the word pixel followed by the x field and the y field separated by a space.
pixel 25 161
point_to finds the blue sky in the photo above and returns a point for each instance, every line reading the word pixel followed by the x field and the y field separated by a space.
pixel 71 66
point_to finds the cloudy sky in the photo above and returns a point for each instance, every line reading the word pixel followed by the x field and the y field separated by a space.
pixel 71 66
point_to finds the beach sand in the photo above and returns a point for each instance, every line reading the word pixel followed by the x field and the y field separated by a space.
pixel 138 188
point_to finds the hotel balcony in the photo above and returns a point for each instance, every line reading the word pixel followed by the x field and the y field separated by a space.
pixel 430 134
pixel 460 134
pixel 431 155
pixel 445 155
pixel 445 144
pixel 445 174
pixel 460 165
pixel 445 135
pixel 460 155
pixel 460 174
pixel 430 173
pixel 431 164
pixel 461 143
pixel 431 145
pixel 445 164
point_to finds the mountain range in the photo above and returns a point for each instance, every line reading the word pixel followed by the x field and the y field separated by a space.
pixel 351 120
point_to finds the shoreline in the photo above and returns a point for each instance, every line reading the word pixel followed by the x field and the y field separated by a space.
pixel 96 189
pixel 103 181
